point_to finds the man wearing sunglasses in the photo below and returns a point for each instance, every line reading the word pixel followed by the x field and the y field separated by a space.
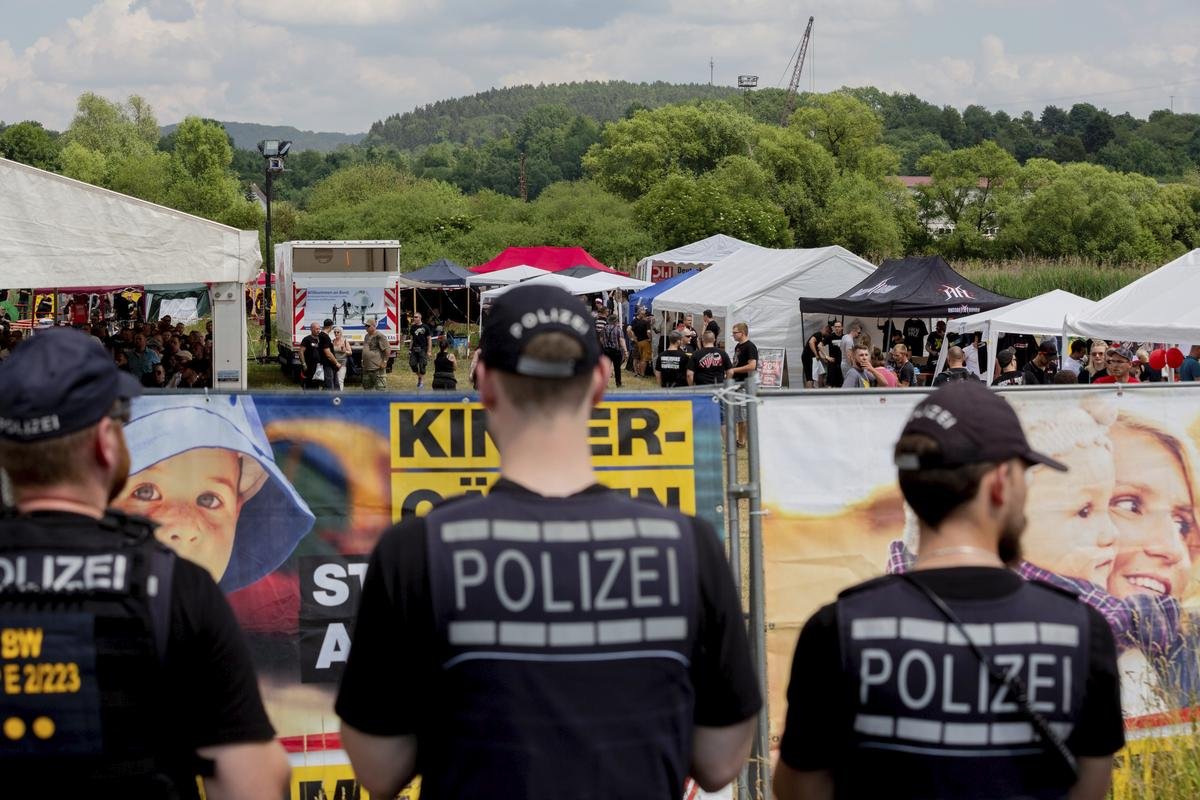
pixel 124 671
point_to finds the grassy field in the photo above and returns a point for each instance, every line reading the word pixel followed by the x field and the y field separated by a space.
pixel 1029 278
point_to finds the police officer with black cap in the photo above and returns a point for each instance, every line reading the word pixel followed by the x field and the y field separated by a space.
pixel 554 638
pixel 959 679
pixel 122 670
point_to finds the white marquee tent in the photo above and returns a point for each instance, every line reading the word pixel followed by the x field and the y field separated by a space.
pixel 509 275
pixel 759 286
pixel 606 282
pixel 696 255
pixel 1159 307
pixel 576 286
pixel 1041 316
pixel 58 232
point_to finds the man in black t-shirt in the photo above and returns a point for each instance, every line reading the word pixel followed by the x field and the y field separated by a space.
pixel 895 669
pixel 1040 370
pixel 906 373
pixel 915 332
pixel 711 325
pixel 153 684
pixel 671 366
pixel 933 343
pixel 812 354
pixel 745 363
pixel 708 365
pixel 316 349
pixel 500 639
pixel 956 369
pixel 639 329
pixel 418 349
pixel 1006 360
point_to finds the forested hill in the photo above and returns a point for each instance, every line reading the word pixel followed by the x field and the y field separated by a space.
pixel 488 115
pixel 247 135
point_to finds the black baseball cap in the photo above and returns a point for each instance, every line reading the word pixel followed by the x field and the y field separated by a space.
pixel 522 313
pixel 1006 356
pixel 59 382
pixel 1049 347
pixel 971 425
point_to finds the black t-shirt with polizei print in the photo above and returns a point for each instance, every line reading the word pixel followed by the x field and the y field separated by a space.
pixel 672 366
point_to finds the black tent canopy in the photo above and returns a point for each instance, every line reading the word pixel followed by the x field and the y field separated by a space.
pixel 442 272
pixel 918 286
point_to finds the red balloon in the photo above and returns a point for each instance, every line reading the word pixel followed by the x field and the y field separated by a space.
pixel 1158 359
pixel 1174 358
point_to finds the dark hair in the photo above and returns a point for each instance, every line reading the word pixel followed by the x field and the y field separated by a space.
pixel 1078 345
pixel 708 312
pixel 1065 376
pixel 547 394
pixel 935 494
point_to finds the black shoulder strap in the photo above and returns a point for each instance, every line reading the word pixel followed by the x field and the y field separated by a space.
pixel 1016 689
pixel 158 588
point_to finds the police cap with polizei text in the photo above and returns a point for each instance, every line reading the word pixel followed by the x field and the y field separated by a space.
pixel 520 314
pixel 970 424
pixel 59 382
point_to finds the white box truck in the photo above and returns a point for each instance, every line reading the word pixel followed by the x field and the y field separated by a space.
pixel 348 282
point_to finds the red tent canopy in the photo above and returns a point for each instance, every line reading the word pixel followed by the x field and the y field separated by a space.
pixel 551 259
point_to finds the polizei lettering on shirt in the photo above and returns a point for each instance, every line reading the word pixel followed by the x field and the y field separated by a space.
pixel 64 572
pixel 549 585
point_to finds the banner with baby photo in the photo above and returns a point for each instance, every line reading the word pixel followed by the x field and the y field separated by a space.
pixel 283 496
pixel 1119 526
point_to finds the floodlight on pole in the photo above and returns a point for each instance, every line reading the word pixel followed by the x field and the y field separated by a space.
pixel 273 151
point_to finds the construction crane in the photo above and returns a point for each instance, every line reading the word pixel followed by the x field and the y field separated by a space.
pixel 793 87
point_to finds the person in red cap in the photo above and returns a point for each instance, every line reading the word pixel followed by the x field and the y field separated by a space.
pixel 554 638
pixel 958 678
pixel 1118 364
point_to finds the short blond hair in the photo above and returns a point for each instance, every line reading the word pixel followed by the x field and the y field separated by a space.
pixel 742 327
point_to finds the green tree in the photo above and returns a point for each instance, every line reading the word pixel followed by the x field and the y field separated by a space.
pixel 30 143
pixel 969 186
pixel 845 126
pixel 635 154
pixel 859 216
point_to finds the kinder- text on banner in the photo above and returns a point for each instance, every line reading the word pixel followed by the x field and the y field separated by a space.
pixel 320 477
pixel 1127 505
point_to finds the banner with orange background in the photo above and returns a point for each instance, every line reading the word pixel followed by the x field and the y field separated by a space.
pixel 834 514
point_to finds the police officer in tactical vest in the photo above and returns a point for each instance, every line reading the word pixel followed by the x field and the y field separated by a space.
pixel 122 670
pixel 554 638
pixel 958 679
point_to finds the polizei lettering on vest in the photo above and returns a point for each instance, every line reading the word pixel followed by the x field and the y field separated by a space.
pixel 64 572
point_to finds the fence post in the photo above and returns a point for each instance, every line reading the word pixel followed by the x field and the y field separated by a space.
pixel 758 630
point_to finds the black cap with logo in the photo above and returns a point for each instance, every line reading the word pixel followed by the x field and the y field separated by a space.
pixel 522 313
pixel 59 382
pixel 971 425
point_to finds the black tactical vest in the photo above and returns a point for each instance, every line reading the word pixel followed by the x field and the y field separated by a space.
pixel 568 627
pixel 926 711
pixel 84 612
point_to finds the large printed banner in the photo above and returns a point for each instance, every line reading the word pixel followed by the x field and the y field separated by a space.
pixel 282 497
pixel 1121 522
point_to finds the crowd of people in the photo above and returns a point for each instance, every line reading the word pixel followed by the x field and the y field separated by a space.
pixel 846 357
pixel 159 355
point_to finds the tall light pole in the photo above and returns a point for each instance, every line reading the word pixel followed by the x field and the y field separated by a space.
pixel 273 151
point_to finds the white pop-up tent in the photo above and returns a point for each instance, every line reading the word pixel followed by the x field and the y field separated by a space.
pixel 1040 316
pixel 55 231
pixel 576 286
pixel 607 281
pixel 696 255
pixel 503 277
pixel 1159 307
pixel 759 286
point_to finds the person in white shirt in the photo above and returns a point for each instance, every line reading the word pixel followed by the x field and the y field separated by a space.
pixel 1076 357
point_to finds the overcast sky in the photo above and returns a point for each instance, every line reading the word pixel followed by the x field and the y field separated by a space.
pixel 338 65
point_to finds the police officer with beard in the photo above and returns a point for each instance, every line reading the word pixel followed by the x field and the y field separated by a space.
pixel 122 670
pixel 554 638
pixel 959 679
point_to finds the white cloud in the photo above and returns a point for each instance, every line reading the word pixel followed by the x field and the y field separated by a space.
pixel 341 65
